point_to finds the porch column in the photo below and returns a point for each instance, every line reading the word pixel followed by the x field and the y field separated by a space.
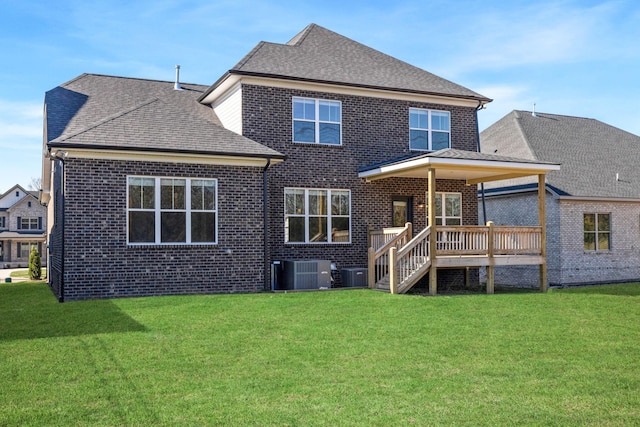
pixel 431 203
pixel 542 220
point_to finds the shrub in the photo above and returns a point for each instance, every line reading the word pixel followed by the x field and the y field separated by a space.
pixel 35 267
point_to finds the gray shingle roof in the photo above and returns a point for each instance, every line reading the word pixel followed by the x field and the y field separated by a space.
pixel 134 114
pixel 320 55
pixel 591 152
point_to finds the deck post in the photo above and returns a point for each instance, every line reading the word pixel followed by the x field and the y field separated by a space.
pixel 393 268
pixel 433 235
pixel 409 228
pixel 542 220
pixel 371 278
pixel 491 267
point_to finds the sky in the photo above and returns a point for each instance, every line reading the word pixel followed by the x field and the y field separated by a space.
pixel 571 57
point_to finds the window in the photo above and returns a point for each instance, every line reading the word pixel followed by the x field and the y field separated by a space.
pixel 429 129
pixel 317 121
pixel 172 210
pixel 24 249
pixel 448 209
pixel 597 232
pixel 3 222
pixel 25 223
pixel 317 216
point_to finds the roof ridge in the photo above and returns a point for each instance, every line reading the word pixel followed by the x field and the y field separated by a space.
pixel 107 119
pixel 299 38
pixel 111 76
pixel 249 55
pixel 523 135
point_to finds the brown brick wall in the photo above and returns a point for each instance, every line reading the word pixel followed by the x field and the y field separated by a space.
pixel 373 130
pixel 99 264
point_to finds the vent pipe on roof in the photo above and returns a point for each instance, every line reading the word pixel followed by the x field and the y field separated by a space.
pixel 533 113
pixel 177 86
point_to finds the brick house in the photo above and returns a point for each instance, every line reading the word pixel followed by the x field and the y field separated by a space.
pixel 593 214
pixel 311 150
pixel 22 225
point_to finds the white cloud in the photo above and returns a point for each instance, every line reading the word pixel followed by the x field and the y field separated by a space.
pixel 20 121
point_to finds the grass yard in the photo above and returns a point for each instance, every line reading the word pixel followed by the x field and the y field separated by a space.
pixel 357 357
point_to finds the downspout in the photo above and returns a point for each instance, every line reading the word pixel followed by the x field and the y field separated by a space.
pixel 265 225
pixel 62 220
pixel 484 206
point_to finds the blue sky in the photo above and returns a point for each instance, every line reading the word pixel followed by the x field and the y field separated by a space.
pixel 579 58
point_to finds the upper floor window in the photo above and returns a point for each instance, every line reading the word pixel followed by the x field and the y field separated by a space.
pixel 26 223
pixel 597 232
pixel 171 210
pixel 317 216
pixel 429 130
pixel 448 209
pixel 317 121
pixel 3 222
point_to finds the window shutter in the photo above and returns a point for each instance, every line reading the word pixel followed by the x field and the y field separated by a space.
pixel 19 223
pixel 39 223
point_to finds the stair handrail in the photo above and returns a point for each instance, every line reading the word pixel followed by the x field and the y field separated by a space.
pixel 377 271
pixel 408 260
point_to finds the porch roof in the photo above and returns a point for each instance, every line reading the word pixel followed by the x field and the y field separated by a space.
pixel 470 166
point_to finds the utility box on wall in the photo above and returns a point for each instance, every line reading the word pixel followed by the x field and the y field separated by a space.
pixel 307 274
pixel 354 277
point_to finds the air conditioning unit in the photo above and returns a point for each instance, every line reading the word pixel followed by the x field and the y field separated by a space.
pixel 307 274
pixel 354 277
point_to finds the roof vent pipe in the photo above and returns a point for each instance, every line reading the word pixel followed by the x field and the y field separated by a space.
pixel 533 113
pixel 177 86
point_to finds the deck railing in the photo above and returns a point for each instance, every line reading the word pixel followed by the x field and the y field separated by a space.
pixel 400 266
pixel 381 241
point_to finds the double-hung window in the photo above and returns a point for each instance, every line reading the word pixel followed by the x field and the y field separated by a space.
pixel 172 210
pixel 429 130
pixel 597 232
pixel 26 223
pixel 317 121
pixel 448 209
pixel 317 216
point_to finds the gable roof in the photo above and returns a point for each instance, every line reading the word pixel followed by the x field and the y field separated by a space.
pixel 322 56
pixel 107 112
pixel 592 153
pixel 8 199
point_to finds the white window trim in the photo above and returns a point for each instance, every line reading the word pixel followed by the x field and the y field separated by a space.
pixel 306 216
pixel 316 121
pixel 158 211
pixel 429 130
pixel 442 217
pixel 32 223
pixel 596 232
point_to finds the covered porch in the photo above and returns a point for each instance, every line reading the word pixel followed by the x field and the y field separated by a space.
pixel 398 259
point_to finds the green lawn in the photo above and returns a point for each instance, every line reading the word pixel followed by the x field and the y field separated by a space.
pixel 24 274
pixel 357 357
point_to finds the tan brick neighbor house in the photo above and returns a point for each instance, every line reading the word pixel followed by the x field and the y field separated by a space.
pixel 305 164
pixel 593 202
pixel 23 221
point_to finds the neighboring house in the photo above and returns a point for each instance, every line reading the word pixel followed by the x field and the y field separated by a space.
pixel 22 226
pixel 593 212
pixel 162 191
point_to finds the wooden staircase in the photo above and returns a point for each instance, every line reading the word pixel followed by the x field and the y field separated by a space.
pixel 399 264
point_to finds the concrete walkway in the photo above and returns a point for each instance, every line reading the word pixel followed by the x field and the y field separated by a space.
pixel 6 272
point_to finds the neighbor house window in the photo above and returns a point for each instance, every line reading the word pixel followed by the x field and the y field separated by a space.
pixel 317 121
pixel 597 232
pixel 3 222
pixel 429 129
pixel 448 209
pixel 24 249
pixel 172 210
pixel 317 216
pixel 26 223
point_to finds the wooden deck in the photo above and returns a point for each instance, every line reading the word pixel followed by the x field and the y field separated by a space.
pixel 398 263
